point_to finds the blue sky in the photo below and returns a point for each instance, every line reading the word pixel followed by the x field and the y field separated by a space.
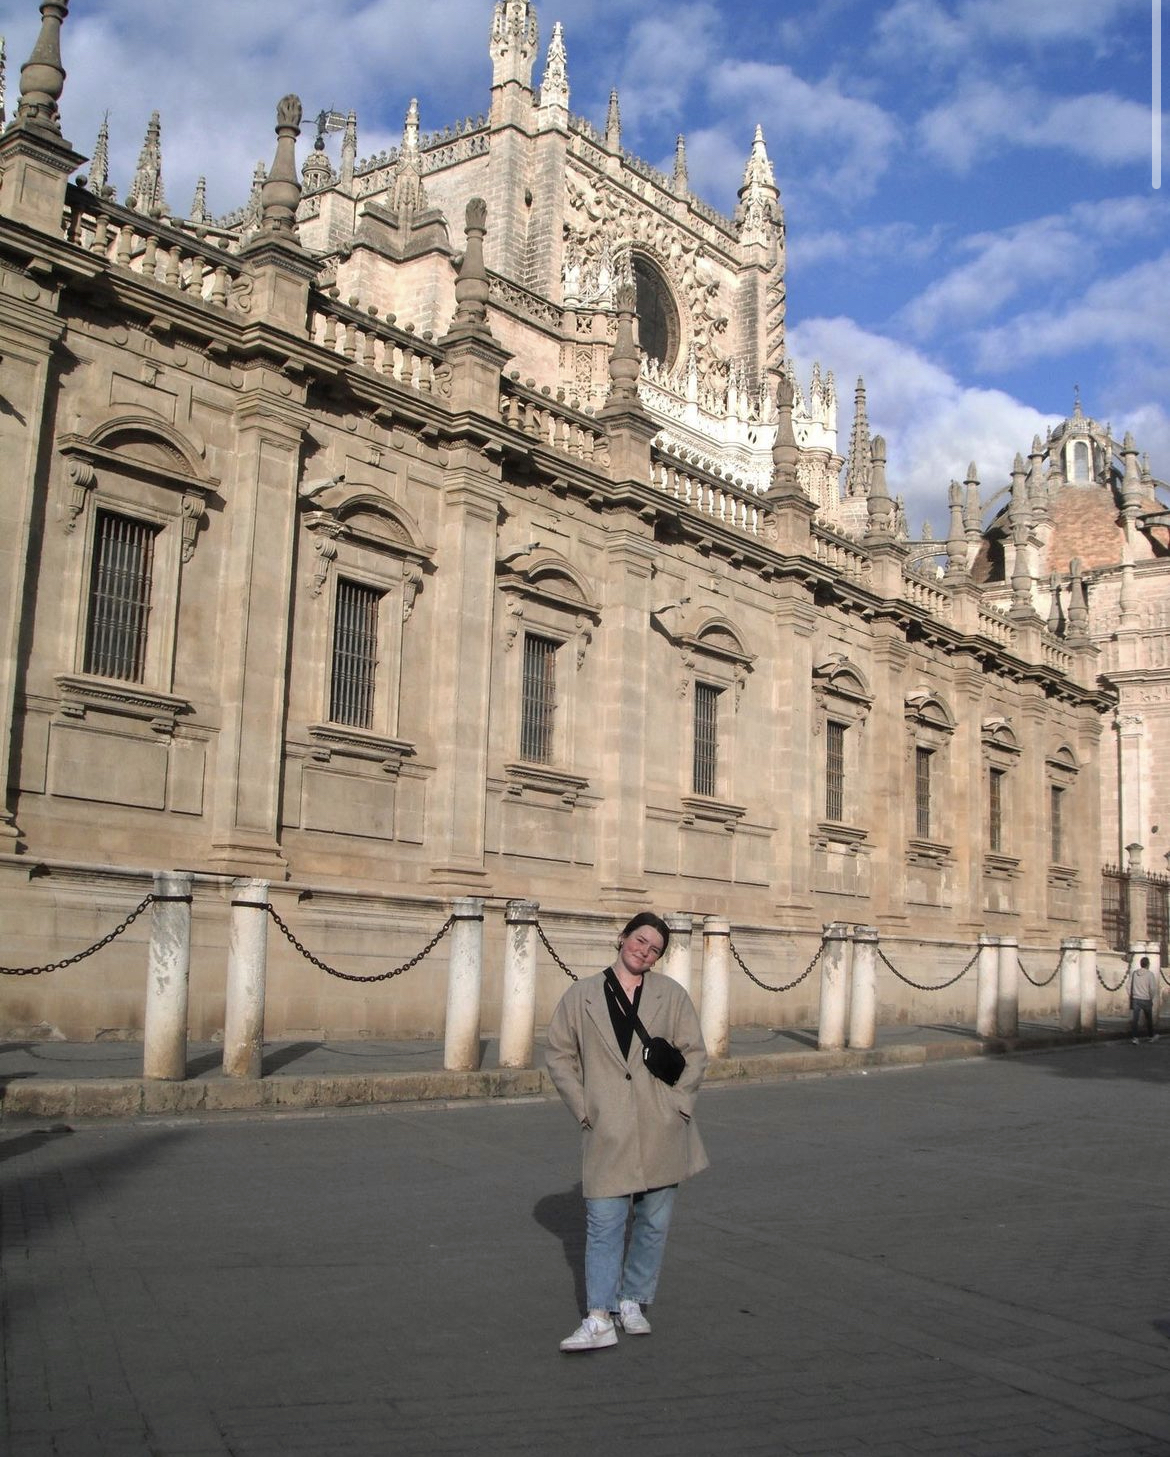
pixel 967 183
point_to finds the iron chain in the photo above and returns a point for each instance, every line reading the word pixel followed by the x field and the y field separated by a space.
pixel 345 975
pixel 1105 984
pixel 1048 980
pixel 919 986
pixel 788 985
pixel 81 955
pixel 548 947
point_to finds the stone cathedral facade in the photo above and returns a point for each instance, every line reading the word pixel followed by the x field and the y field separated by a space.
pixel 451 522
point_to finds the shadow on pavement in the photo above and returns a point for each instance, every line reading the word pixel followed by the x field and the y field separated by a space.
pixel 564 1215
pixel 29 1142
pixel 281 1056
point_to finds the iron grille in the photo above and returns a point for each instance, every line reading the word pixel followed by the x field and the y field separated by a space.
pixel 995 808
pixel 922 758
pixel 1158 911
pixel 119 597
pixel 538 698
pixel 355 654
pixel 834 771
pixel 1115 908
pixel 705 763
pixel 1056 822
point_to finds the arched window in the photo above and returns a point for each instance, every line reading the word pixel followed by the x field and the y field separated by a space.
pixel 658 326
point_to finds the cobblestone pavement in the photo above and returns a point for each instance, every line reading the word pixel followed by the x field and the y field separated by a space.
pixel 962 1258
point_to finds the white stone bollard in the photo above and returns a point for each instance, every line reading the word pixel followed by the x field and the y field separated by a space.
pixel 247 976
pixel 464 981
pixel 518 1012
pixel 834 987
pixel 164 1032
pixel 1070 984
pixel 715 1018
pixel 987 986
pixel 677 961
pixel 1088 975
pixel 1007 1011
pixel 863 1003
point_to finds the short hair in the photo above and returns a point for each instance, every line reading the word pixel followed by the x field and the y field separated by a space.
pixel 1145 961
pixel 647 918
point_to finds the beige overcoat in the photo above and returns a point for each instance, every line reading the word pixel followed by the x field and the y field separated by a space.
pixel 638 1132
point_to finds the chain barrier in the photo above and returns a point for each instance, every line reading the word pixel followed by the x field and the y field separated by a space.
pixel 788 985
pixel 345 975
pixel 1047 981
pixel 97 946
pixel 919 986
pixel 1105 984
pixel 544 941
pixel 1162 974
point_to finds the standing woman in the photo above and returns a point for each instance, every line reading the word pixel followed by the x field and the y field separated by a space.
pixel 639 1140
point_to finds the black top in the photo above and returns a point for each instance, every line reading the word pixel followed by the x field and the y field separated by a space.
pixel 623 1024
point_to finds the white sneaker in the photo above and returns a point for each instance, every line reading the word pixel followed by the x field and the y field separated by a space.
pixel 593 1334
pixel 631 1319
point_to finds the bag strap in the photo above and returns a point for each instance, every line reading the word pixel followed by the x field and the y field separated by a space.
pixel 627 1006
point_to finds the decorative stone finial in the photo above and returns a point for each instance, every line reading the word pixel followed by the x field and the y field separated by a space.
pixel 880 508
pixel 625 360
pixel 3 81
pixel 199 213
pixel 759 197
pixel 282 191
pixel 613 123
pixel 1131 483
pixel 1078 607
pixel 407 194
pixel 99 166
pixel 972 506
pixel 146 191
pixel 784 449
pixel 858 463
pixel 513 43
pixel 471 286
pixel 956 534
pixel 554 87
pixel 42 77
pixel 680 183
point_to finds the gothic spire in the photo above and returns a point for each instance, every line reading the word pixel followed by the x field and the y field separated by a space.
pixel 199 213
pixel 146 191
pixel 406 191
pixel 679 182
pixel 858 465
pixel 759 197
pixel 513 43
pixel 99 167
pixel 554 86
pixel 3 80
pixel 613 123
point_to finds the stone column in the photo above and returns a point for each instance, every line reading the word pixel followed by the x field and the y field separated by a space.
pixel 247 977
pixel 987 986
pixel 164 1031
pixel 464 980
pixel 677 961
pixel 716 1000
pixel 1007 1014
pixel 863 1003
pixel 1070 983
pixel 834 987
pixel 1087 961
pixel 518 1012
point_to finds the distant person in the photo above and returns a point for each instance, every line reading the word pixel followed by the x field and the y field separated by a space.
pixel 634 1103
pixel 1143 987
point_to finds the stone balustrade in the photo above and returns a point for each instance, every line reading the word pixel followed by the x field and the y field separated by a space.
pixel 552 422
pixel 839 554
pixel 735 506
pixel 375 344
pixel 929 597
pixel 996 627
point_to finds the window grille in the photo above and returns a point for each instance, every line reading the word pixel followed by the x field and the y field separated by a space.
pixel 119 597
pixel 995 808
pixel 1056 822
pixel 834 771
pixel 922 758
pixel 538 698
pixel 705 764
pixel 355 654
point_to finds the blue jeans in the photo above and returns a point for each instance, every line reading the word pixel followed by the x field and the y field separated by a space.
pixel 610 1278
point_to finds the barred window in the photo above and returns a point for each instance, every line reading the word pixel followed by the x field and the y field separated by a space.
pixel 355 654
pixel 119 597
pixel 922 766
pixel 1056 822
pixel 538 698
pixel 705 763
pixel 995 808
pixel 834 771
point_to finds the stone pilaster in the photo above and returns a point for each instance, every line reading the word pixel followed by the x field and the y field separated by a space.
pixel 795 618
pixel 889 777
pixel 258 565
pixel 968 778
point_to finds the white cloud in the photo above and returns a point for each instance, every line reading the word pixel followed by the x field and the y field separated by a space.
pixel 866 247
pixel 987 117
pixel 934 425
pixel 928 30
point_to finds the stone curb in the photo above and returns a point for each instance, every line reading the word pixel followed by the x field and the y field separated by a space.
pixel 136 1097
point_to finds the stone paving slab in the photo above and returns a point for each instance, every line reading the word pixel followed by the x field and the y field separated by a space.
pixel 104 1079
pixel 958 1259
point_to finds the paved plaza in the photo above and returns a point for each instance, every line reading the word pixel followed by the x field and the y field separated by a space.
pixel 961 1258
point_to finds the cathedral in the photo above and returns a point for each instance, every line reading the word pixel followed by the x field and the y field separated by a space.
pixel 452 522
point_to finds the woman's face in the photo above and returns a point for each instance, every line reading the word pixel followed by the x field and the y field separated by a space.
pixel 640 950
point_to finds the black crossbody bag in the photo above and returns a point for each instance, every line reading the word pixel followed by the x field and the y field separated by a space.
pixel 662 1058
